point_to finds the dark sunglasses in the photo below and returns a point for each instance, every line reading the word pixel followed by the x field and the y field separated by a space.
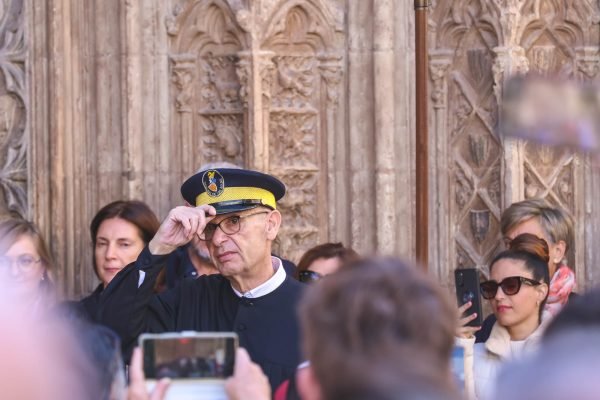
pixel 309 276
pixel 510 286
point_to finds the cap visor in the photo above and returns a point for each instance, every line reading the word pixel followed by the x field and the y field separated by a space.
pixel 232 208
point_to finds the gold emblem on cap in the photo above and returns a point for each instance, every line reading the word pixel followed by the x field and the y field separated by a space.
pixel 213 183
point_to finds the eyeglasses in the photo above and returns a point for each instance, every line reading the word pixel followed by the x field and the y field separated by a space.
pixel 308 276
pixel 510 286
pixel 230 226
pixel 25 262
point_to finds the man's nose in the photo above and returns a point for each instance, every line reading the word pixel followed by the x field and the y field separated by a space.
pixel 219 237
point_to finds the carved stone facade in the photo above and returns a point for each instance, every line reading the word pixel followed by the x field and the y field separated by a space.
pixel 475 46
pixel 132 97
pixel 14 120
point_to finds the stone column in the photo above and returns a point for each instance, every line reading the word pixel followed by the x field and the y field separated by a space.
pixel 386 195
pixel 360 127
pixel 441 238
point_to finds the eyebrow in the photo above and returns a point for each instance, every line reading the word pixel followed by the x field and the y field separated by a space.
pixel 103 239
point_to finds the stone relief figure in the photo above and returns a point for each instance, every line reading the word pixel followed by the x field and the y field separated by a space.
pixel 224 129
pixel 295 78
pixel 218 89
pixel 182 79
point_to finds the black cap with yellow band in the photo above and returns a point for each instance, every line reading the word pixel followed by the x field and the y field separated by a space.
pixel 232 190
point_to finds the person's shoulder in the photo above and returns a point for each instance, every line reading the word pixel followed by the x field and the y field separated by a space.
pixel 205 282
pixel 292 284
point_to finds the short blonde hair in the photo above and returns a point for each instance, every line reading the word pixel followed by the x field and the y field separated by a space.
pixel 556 222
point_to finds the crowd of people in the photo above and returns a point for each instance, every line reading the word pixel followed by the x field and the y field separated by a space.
pixel 337 326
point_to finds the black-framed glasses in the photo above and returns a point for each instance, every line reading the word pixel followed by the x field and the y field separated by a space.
pixel 230 226
pixel 510 286
pixel 25 262
pixel 308 276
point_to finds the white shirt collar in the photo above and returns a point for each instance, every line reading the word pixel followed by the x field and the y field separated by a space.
pixel 270 285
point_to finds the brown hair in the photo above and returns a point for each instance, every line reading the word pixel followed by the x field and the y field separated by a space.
pixel 534 253
pixel 326 251
pixel 11 230
pixel 136 212
pixel 556 223
pixel 375 312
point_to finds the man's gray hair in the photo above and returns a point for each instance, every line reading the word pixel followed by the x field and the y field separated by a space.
pixel 218 164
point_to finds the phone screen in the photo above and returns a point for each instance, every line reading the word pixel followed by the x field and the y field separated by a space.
pixel 189 357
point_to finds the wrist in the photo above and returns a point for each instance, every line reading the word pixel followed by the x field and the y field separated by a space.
pixel 156 248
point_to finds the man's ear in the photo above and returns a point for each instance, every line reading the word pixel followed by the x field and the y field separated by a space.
pixel 308 385
pixel 273 224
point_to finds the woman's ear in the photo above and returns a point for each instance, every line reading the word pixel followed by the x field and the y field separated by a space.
pixel 559 249
pixel 273 224
pixel 542 291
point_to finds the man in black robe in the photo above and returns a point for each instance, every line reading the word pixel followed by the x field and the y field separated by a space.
pixel 236 215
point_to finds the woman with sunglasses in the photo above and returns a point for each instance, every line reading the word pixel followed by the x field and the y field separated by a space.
pixel 26 266
pixel 517 291
pixel 324 259
pixel 555 226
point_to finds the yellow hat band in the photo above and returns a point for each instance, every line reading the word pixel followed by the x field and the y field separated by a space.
pixel 239 193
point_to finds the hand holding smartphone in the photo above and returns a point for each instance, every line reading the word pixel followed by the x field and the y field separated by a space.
pixel 196 362
pixel 467 290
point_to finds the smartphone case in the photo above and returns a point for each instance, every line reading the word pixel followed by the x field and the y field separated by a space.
pixel 467 289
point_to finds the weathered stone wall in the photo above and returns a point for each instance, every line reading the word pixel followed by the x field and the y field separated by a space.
pixel 107 99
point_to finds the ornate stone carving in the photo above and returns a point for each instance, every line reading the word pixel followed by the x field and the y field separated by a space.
pixel 463 260
pixel 564 188
pixel 493 189
pixel 532 188
pixel 219 90
pixel 299 208
pixel 463 189
pixel 183 69
pixel 207 70
pixel 222 137
pixel 480 224
pixel 13 99
pixel 332 73
pixel 588 61
pixel 244 72
pixel 543 59
pixel 479 149
pixel 295 82
pixel 462 111
pixel 295 140
pixel 439 63
pixel 267 75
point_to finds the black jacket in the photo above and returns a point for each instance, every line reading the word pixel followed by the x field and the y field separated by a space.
pixel 267 326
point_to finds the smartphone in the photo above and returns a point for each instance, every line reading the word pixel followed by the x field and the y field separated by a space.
pixel 467 289
pixel 196 362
